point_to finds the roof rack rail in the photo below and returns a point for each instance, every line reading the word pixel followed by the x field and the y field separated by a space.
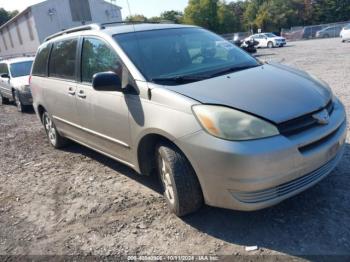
pixel 74 29
pixel 103 25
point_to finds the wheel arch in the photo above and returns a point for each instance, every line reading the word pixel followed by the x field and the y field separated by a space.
pixel 146 158
pixel 146 146
pixel 40 111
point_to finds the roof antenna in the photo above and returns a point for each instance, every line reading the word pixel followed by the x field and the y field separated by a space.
pixel 133 24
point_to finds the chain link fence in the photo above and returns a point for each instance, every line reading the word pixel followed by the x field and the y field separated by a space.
pixel 314 31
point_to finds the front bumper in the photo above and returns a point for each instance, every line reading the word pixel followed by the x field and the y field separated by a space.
pixel 26 98
pixel 280 44
pixel 252 175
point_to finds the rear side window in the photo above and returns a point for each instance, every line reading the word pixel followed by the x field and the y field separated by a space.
pixel 63 58
pixel 3 69
pixel 41 60
pixel 98 57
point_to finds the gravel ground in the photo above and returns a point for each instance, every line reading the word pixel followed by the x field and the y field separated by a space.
pixel 78 202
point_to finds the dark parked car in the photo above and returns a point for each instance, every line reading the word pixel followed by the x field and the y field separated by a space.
pixel 330 31
pixel 310 31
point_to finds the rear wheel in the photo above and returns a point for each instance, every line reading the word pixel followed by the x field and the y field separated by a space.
pixel 181 187
pixel 270 44
pixel 55 139
pixel 4 100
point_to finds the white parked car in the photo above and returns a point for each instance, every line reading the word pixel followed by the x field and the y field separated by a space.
pixel 269 40
pixel 14 82
pixel 345 33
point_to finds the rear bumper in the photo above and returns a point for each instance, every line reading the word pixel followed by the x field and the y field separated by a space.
pixel 26 98
pixel 252 175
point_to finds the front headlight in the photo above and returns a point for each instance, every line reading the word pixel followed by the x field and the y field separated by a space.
pixel 230 124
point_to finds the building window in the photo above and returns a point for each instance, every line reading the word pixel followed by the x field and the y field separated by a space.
pixel 29 25
pixel 80 10
pixel 10 36
pixel 3 39
pixel 18 33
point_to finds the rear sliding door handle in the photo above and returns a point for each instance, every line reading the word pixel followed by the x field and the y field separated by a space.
pixel 81 94
pixel 71 91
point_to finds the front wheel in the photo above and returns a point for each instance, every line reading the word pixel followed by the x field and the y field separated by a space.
pixel 270 44
pixel 181 187
pixel 55 139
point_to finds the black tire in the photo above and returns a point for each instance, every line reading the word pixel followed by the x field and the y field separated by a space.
pixel 173 167
pixel 20 107
pixel 4 100
pixel 270 45
pixel 55 139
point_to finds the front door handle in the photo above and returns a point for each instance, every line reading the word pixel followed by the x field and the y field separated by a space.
pixel 81 94
pixel 71 91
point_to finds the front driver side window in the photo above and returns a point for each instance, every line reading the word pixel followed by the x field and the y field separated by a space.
pixel 98 57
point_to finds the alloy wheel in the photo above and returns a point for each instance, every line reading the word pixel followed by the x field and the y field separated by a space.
pixel 18 103
pixel 50 130
pixel 167 181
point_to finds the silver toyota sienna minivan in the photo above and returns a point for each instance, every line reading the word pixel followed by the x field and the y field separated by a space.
pixel 217 125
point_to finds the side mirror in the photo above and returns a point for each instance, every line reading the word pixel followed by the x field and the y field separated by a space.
pixel 107 81
pixel 5 76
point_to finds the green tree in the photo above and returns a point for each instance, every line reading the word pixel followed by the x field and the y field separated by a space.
pixel 136 18
pixel 228 21
pixel 174 16
pixel 329 11
pixel 6 15
pixel 202 13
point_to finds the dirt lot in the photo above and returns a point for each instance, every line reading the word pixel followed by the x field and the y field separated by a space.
pixel 76 201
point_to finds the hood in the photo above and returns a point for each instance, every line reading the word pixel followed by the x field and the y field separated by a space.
pixel 274 92
pixel 20 81
pixel 278 38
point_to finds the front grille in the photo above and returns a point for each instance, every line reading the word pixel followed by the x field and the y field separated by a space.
pixel 303 123
pixel 289 187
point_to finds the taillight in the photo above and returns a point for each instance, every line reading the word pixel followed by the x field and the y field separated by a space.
pixel 30 79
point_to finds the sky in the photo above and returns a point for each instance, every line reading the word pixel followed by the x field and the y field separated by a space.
pixel 148 8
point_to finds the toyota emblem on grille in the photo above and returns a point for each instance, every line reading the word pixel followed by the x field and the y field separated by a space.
pixel 322 117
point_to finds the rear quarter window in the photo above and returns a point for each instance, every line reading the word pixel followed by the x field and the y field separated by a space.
pixel 3 69
pixel 41 61
pixel 63 59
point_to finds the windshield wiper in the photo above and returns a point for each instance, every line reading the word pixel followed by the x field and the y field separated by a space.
pixel 179 79
pixel 232 70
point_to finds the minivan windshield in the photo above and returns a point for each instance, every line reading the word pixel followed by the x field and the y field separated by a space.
pixel 21 68
pixel 174 56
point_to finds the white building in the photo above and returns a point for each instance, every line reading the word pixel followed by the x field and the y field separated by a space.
pixel 23 34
